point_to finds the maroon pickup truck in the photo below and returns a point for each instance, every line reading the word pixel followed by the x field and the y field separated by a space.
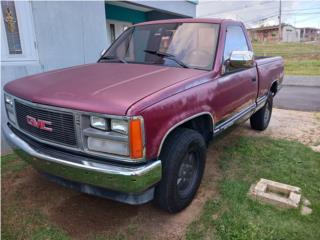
pixel 134 126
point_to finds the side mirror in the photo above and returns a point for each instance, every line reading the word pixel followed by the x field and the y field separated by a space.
pixel 103 52
pixel 241 59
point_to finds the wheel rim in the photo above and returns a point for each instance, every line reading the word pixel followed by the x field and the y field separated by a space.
pixel 267 114
pixel 187 174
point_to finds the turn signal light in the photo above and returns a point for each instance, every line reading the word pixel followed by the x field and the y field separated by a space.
pixel 136 141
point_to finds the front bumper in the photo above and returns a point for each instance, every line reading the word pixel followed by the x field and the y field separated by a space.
pixel 125 179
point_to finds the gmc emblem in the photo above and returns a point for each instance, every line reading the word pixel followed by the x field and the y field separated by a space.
pixel 41 124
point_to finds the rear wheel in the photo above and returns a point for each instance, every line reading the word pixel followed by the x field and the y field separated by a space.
pixel 183 162
pixel 260 120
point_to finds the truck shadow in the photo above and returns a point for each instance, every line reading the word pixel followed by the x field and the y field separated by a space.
pixel 84 216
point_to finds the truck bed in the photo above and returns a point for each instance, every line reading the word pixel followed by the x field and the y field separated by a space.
pixel 270 69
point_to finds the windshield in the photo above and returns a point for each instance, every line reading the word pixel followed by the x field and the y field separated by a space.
pixel 191 45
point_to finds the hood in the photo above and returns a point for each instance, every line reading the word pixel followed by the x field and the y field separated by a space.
pixel 109 88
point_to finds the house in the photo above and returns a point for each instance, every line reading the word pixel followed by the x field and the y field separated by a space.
pixel 38 36
pixel 271 33
pixel 309 34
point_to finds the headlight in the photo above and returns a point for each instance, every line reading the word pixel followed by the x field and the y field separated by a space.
pixel 9 108
pixel 108 146
pixel 99 123
pixel 8 100
pixel 119 126
pixel 120 136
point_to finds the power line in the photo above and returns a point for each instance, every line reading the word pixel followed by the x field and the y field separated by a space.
pixel 301 13
pixel 284 12
pixel 274 14
pixel 259 19
pixel 306 19
pixel 234 9
pixel 296 10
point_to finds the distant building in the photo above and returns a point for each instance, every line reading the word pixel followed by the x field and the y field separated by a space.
pixel 271 33
pixel 309 34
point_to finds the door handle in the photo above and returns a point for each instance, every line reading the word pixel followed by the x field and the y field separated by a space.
pixel 254 79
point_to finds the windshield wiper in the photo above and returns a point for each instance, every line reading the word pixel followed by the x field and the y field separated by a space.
pixel 169 56
pixel 113 58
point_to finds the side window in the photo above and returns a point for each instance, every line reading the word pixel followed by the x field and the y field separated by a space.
pixel 235 41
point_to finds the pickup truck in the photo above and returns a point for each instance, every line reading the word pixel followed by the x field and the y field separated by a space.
pixel 134 127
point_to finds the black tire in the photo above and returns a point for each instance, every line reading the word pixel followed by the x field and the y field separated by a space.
pixel 174 192
pixel 260 120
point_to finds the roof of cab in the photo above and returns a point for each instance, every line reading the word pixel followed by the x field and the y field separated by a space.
pixel 187 20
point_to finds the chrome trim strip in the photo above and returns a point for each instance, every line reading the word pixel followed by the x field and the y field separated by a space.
pixel 120 178
pixel 232 120
pixel 261 102
pixel 181 122
pixel 78 115
pixel 262 99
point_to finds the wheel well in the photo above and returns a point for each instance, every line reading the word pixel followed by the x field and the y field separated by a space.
pixel 274 88
pixel 202 124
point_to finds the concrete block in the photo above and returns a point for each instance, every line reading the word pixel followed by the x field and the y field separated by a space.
pixel 278 194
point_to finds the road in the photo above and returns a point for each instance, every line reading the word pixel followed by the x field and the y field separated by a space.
pixel 301 98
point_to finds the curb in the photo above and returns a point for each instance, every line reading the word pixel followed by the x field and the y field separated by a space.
pixel 304 81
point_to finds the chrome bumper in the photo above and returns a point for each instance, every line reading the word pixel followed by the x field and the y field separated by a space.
pixel 126 179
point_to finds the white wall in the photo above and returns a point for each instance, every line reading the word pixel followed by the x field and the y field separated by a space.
pixel 66 33
pixel 290 34
pixel 69 33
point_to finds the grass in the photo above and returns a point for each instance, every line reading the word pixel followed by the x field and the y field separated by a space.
pixel 11 163
pixel 300 58
pixel 22 223
pixel 233 215
pixel 19 222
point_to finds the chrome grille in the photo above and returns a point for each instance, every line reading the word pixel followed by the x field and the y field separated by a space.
pixel 62 124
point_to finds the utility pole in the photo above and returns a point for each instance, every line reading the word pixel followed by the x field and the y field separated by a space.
pixel 280 33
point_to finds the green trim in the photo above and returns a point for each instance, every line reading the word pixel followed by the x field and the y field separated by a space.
pixel 196 2
pixel 124 14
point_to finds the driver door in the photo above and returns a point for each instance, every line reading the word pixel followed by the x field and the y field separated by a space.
pixel 237 90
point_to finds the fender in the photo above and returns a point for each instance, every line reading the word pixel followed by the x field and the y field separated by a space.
pixel 180 123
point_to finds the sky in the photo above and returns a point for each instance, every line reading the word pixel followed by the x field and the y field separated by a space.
pixel 298 13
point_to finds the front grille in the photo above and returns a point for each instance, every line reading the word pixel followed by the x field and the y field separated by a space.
pixel 62 124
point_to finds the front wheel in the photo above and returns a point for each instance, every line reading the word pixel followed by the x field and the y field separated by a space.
pixel 183 162
pixel 260 120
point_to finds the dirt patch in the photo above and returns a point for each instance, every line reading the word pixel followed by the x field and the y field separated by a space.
pixel 303 127
pixel 83 216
